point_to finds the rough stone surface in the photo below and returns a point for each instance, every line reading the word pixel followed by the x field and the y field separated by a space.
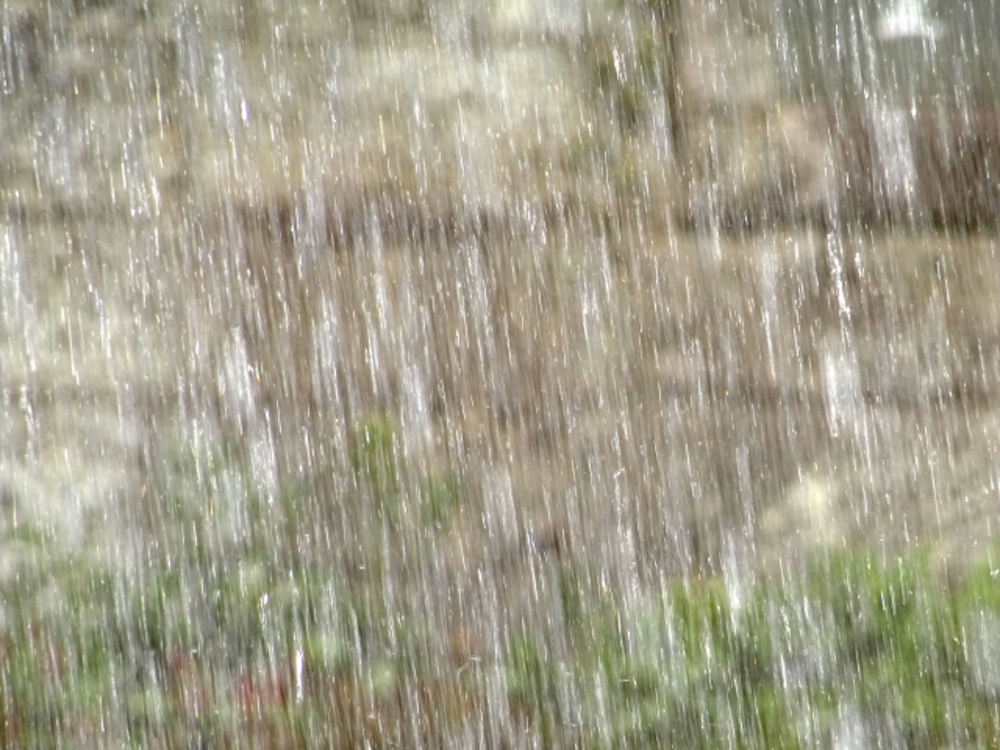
pixel 265 223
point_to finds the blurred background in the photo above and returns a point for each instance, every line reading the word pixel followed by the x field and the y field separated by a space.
pixel 425 309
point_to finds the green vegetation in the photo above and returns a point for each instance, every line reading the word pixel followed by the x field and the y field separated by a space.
pixel 247 637
pixel 627 70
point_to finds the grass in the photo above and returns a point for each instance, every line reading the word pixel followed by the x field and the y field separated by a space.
pixel 231 641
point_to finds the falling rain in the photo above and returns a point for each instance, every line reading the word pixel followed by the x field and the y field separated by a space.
pixel 508 374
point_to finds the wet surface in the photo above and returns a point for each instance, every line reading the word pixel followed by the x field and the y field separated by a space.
pixel 459 305
pixel 203 236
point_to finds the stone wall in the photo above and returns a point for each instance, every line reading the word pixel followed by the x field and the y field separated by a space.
pixel 202 205
pixel 170 173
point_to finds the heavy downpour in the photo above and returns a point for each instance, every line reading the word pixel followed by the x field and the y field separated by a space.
pixel 499 374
